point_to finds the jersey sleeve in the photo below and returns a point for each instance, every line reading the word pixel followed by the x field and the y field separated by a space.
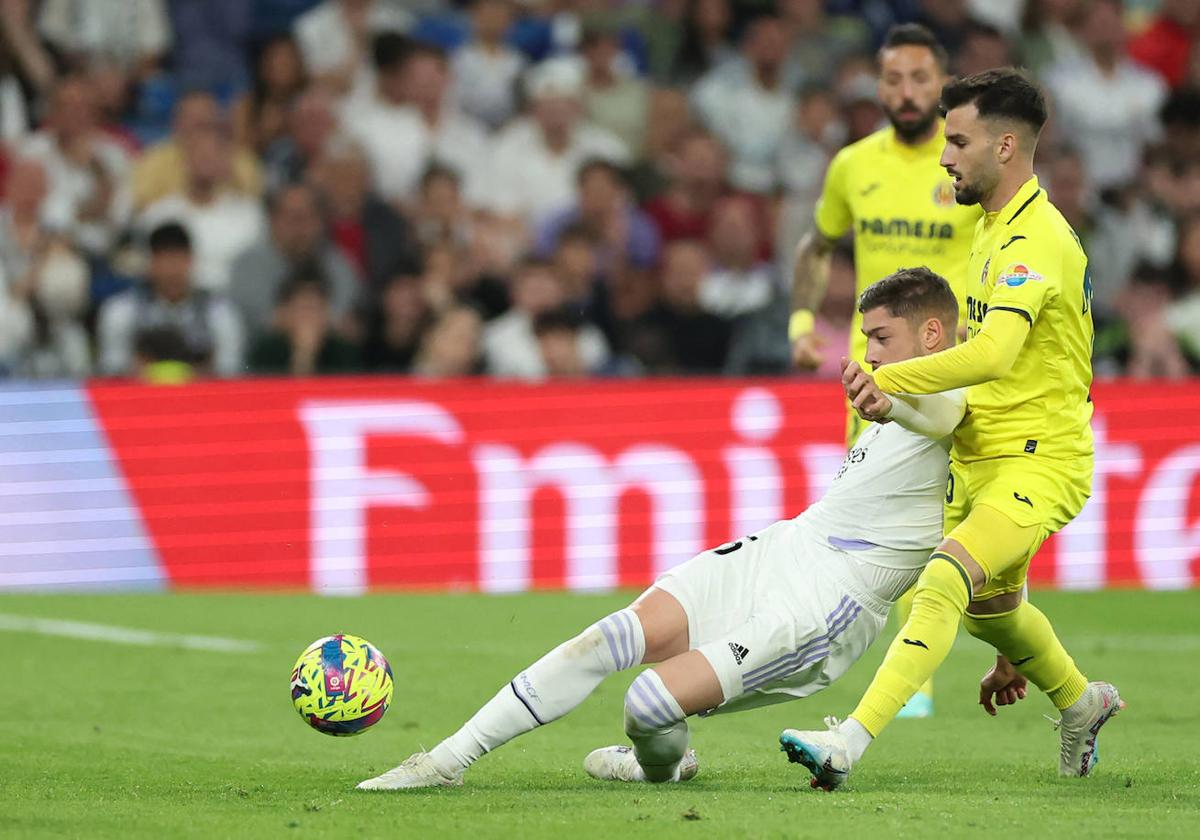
pixel 1027 278
pixel 933 415
pixel 833 216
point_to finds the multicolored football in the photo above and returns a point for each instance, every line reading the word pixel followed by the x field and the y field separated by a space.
pixel 341 685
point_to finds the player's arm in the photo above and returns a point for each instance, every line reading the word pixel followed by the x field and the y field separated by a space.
pixel 810 265
pixel 935 416
pixel 985 358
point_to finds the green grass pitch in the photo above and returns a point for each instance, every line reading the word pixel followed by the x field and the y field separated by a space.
pixel 112 740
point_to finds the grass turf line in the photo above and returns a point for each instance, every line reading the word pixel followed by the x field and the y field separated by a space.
pixel 107 740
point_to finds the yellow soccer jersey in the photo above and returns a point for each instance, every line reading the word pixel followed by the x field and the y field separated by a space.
pixel 1026 259
pixel 900 203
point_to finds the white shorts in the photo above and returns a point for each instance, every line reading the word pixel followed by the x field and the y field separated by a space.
pixel 777 614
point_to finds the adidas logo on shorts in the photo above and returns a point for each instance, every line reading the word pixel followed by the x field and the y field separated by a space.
pixel 739 652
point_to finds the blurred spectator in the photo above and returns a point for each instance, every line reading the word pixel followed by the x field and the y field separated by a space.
pixel 312 122
pixel 304 341
pixel 613 100
pixel 748 105
pixel 509 343
pixel 857 91
pixel 451 276
pixel 1168 43
pixel 297 240
pixel 396 326
pixel 815 135
pixel 88 200
pixel 451 347
pixel 162 169
pixel 134 33
pixel 818 42
pixel 984 47
pixel 537 157
pixel 1183 314
pixel 486 69
pixel 696 172
pixel 28 70
pixel 1047 34
pixel 410 123
pixel 1111 137
pixel 221 222
pixel 376 239
pixel 1150 348
pixel 161 356
pixel 670 120
pixel 947 20
pixel 210 50
pixel 1180 117
pixel 335 40
pixel 206 321
pixel 45 283
pixel 738 282
pixel 678 336
pixel 558 337
pixel 261 115
pixel 440 215
pixel 624 237
pixel 706 43
pixel 834 318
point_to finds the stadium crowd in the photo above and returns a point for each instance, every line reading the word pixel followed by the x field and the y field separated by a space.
pixel 528 188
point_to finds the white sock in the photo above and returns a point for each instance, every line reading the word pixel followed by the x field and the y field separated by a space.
pixel 654 721
pixel 547 689
pixel 857 738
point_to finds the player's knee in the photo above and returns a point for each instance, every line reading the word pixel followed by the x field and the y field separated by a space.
pixel 616 640
pixel 649 706
pixel 943 580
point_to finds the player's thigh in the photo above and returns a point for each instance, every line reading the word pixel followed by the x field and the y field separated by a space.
pixel 693 683
pixel 664 624
pixel 997 550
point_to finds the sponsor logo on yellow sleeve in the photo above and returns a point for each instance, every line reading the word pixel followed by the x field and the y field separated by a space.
pixel 1017 274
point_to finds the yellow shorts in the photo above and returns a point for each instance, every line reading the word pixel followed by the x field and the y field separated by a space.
pixel 1037 496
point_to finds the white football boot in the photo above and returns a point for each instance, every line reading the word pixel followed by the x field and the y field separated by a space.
pixel 417 771
pixel 619 764
pixel 825 754
pixel 1080 728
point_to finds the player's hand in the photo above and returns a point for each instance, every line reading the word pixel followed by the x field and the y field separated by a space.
pixel 1002 685
pixel 806 351
pixel 864 395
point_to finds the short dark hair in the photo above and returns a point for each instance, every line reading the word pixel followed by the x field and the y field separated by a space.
pixel 915 35
pixel 562 319
pixel 170 236
pixel 913 294
pixel 389 50
pixel 597 164
pixel 1005 92
pixel 308 277
pixel 438 170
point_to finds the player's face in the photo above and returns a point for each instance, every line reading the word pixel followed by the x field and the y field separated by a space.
pixel 889 338
pixel 910 84
pixel 969 155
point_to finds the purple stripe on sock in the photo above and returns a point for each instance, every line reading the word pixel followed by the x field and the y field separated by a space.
pixel 633 648
pixel 626 642
pixel 663 703
pixel 612 643
pixel 642 715
pixel 648 708
pixel 844 607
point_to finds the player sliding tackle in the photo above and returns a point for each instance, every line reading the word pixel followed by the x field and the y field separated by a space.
pixel 1021 465
pixel 772 617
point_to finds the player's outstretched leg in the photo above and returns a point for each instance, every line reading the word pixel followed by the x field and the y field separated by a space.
pixel 920 705
pixel 545 691
pixel 1026 638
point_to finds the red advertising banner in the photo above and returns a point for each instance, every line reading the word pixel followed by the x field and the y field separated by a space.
pixel 355 484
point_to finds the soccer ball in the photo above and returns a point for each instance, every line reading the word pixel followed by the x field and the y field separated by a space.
pixel 341 685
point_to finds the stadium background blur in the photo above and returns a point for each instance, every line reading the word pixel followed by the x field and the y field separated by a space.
pixel 531 190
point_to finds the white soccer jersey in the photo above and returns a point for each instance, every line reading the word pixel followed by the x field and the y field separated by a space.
pixel 888 493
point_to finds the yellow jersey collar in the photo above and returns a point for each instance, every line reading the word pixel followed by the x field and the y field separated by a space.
pixel 1019 203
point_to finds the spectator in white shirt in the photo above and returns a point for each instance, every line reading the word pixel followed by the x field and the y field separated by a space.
pixel 1106 104
pixel 537 157
pixel 486 70
pixel 207 323
pixel 335 40
pixel 410 124
pixel 222 223
pixel 510 344
pixel 748 105
pixel 738 282
pixel 89 198
pixel 134 33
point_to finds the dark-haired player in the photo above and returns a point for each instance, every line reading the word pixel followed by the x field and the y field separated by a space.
pixel 777 615
pixel 1021 466
pixel 891 191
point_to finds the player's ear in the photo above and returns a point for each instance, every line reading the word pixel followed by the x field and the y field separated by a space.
pixel 1006 146
pixel 931 334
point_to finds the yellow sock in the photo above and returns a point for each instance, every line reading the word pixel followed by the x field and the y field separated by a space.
pixel 1025 637
pixel 942 594
pixel 903 609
